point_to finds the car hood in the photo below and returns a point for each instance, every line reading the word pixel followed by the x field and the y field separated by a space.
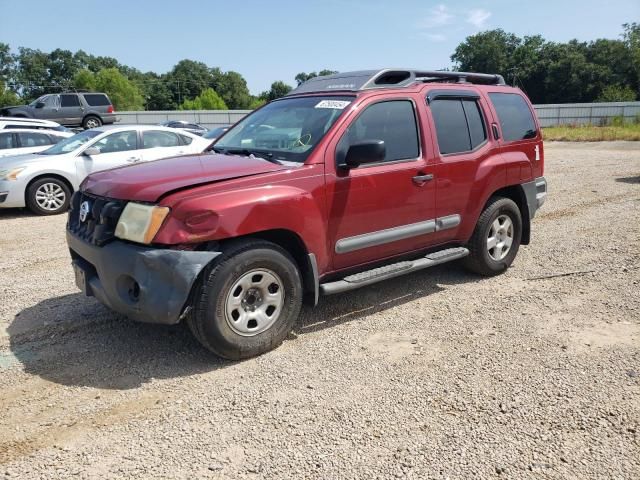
pixel 24 159
pixel 147 182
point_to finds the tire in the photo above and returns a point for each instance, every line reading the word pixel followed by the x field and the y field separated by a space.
pixel 91 121
pixel 48 196
pixel 494 224
pixel 249 274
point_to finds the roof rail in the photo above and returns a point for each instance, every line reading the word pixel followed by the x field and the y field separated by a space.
pixel 390 77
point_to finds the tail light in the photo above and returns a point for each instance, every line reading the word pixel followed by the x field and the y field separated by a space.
pixel 110 109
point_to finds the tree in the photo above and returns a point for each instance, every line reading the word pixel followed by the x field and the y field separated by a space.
pixel 207 100
pixel 489 52
pixel 124 94
pixel 233 89
pixel 278 89
pixel 303 77
pixel 7 96
pixel 617 93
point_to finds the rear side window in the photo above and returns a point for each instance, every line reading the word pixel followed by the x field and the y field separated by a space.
pixel 97 99
pixel 6 141
pixel 516 119
pixel 69 101
pixel 157 138
pixel 31 139
pixel 459 123
pixel 394 122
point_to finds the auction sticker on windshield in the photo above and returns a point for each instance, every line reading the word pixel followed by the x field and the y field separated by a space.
pixel 336 104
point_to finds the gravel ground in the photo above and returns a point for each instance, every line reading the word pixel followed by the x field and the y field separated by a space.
pixel 439 374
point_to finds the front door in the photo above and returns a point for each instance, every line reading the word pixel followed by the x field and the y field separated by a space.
pixel 387 208
pixel 116 149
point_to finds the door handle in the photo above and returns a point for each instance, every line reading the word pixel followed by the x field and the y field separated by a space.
pixel 133 159
pixel 420 179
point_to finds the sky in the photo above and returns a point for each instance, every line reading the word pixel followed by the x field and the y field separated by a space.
pixel 276 39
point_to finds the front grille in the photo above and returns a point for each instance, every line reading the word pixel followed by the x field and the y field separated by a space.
pixel 101 218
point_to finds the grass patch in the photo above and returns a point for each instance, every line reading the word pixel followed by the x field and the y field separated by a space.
pixel 570 133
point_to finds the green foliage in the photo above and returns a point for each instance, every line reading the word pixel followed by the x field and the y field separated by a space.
pixel 303 77
pixel 278 89
pixel 207 100
pixel 7 96
pixel 617 93
pixel 551 72
pixel 257 102
pixel 124 94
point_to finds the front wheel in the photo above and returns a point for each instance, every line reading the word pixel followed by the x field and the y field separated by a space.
pixel 248 301
pixel 48 196
pixel 496 238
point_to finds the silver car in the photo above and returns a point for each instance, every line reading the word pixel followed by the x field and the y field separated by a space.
pixel 44 181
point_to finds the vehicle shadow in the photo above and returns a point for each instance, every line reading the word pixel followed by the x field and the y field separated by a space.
pixel 12 213
pixel 631 180
pixel 73 340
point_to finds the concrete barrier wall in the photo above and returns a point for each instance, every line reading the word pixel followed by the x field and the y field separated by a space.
pixel 549 115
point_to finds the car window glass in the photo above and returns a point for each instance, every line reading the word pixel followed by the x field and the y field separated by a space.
pixel 69 101
pixel 96 99
pixel 51 101
pixel 186 140
pixel 451 125
pixel 475 121
pixel 516 119
pixel 6 141
pixel 393 122
pixel 158 138
pixel 32 139
pixel 117 142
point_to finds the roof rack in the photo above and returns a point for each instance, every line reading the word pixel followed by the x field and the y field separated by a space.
pixel 391 77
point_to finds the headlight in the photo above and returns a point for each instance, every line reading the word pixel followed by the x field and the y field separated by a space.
pixel 140 223
pixel 11 173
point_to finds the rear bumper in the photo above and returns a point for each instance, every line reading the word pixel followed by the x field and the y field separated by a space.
pixel 536 193
pixel 108 118
pixel 146 284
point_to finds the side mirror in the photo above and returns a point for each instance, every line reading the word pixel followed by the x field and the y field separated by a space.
pixel 367 151
pixel 91 151
pixel 39 104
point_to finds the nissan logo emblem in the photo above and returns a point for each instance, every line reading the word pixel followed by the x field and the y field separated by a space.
pixel 84 211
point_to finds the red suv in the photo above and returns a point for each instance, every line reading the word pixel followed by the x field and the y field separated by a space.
pixel 349 180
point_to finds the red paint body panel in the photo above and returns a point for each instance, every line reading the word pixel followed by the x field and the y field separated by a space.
pixel 217 197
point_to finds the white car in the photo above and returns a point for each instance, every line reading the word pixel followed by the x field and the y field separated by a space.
pixel 16 141
pixel 44 181
pixel 33 123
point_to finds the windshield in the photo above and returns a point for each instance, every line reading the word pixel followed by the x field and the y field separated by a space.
pixel 72 143
pixel 286 129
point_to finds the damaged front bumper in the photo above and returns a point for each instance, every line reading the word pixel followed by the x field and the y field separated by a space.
pixel 144 283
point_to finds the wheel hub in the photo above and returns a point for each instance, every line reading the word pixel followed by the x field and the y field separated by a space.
pixel 252 300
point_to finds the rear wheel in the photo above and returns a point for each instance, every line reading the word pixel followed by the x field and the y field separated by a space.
pixel 48 196
pixel 496 238
pixel 248 301
pixel 91 122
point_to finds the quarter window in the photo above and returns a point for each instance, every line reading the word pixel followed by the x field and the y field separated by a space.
pixel 157 138
pixel 31 139
pixel 69 101
pixel 459 123
pixel 96 99
pixel 394 122
pixel 516 120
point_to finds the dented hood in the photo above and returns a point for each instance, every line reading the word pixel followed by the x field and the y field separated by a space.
pixel 147 182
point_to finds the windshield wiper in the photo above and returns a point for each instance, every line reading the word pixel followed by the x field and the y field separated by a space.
pixel 268 156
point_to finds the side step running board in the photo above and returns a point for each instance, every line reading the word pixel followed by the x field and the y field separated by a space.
pixel 390 271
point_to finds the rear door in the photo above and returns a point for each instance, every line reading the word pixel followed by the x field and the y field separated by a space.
pixel 71 111
pixel 466 156
pixel 116 149
pixel 158 144
pixel 31 142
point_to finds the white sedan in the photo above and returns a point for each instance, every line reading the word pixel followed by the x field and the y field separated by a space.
pixel 16 141
pixel 44 181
